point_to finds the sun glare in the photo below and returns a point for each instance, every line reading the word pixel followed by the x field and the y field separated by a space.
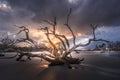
pixel 41 37
pixel 79 34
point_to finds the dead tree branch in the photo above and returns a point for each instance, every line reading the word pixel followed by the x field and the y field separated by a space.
pixel 54 23
pixel 68 26
pixel 90 40
pixel 94 27
pixel 27 38
pixel 52 44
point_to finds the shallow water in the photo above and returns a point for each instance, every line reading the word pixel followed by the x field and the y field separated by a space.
pixel 96 66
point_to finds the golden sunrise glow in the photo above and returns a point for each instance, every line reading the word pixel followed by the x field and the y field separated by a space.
pixel 41 37
pixel 36 34
pixel 69 37
pixel 79 34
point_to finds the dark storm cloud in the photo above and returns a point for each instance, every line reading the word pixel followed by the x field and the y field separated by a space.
pixel 100 11
pixel 85 12
pixel 42 8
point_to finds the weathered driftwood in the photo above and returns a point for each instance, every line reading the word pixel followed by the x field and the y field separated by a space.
pixel 59 55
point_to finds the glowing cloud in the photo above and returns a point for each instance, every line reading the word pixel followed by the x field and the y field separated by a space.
pixel 72 1
pixel 4 6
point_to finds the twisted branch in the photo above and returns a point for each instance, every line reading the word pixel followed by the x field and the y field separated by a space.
pixel 68 26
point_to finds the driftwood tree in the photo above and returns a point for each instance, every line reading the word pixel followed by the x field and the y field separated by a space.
pixel 60 54
pixel 9 44
pixel 27 38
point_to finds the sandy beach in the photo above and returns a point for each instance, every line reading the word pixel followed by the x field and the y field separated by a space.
pixel 96 66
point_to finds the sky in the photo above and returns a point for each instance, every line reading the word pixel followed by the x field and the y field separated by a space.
pixel 31 13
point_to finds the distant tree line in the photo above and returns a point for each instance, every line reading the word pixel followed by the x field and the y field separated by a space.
pixel 113 45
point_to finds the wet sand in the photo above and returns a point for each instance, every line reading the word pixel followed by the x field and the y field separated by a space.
pixel 95 67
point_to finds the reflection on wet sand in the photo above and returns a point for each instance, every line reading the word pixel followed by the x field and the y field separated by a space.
pixel 95 67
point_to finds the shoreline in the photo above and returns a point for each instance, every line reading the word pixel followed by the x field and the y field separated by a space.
pixel 95 67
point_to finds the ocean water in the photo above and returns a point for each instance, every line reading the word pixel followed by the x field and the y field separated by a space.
pixel 96 66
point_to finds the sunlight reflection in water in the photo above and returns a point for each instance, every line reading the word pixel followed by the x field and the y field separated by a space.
pixel 45 65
